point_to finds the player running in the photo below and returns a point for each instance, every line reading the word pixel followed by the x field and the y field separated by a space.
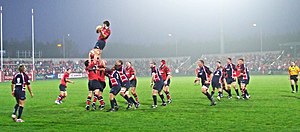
pixel 104 32
pixel 293 76
pixel 131 74
pixel 243 78
pixel 217 80
pixel 18 88
pixel 158 85
pixel 205 75
pixel 230 78
pixel 63 86
pixel 115 85
pixel 125 84
pixel 165 72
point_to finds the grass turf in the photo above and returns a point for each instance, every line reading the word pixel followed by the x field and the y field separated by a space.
pixel 272 107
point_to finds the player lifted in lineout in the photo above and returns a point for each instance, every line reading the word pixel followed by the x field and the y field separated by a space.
pixel 104 32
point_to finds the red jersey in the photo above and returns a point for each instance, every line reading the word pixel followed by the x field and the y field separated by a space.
pixel 130 72
pixel 63 80
pixel 106 32
pixel 164 71
pixel 101 74
pixel 91 71
pixel 239 69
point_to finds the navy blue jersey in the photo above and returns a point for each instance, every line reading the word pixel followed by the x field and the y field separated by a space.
pixel 217 75
pixel 204 73
pixel 246 73
pixel 157 77
pixel 114 78
pixel 230 69
pixel 20 80
pixel 122 73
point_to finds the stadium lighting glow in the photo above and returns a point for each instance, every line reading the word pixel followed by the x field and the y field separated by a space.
pixel 59 45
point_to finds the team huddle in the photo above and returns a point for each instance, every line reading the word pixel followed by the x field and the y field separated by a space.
pixel 228 75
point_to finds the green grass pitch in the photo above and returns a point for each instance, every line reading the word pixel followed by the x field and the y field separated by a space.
pixel 272 107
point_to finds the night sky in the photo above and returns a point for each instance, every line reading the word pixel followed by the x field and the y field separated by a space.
pixel 147 21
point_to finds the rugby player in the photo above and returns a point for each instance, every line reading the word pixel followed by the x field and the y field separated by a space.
pixel 205 75
pixel 18 88
pixel 131 74
pixel 230 78
pixel 157 85
pixel 63 86
pixel 165 72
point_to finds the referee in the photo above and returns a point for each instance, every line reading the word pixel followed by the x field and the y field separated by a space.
pixel 293 73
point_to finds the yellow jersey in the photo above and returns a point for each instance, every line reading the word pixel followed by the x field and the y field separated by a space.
pixel 294 70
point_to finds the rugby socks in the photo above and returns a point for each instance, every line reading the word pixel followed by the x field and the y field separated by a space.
pixel 212 93
pixel 292 87
pixel 100 98
pixel 168 95
pixel 60 97
pixel 88 100
pixel 136 97
pixel 126 98
pixel 95 98
pixel 296 88
pixel 16 109
pixel 115 101
pixel 112 103
pixel 219 93
pixel 132 100
pixel 237 92
pixel 229 92
pixel 20 112
pixel 208 95
pixel 154 99
pixel 162 98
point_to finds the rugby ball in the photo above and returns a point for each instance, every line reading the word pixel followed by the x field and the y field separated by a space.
pixel 98 28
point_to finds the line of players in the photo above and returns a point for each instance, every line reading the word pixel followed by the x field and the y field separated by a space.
pixel 228 75
pixel 121 79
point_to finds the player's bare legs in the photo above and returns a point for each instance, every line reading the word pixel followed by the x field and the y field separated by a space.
pixel 19 108
pixel 101 101
pixel 96 95
pixel 154 93
pixel 133 92
pixel 88 100
pixel 205 91
pixel 166 89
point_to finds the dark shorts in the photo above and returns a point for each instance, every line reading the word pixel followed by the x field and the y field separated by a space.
pixel 294 77
pixel 102 86
pixel 230 80
pixel 101 44
pixel 115 90
pixel 20 94
pixel 245 81
pixel 216 84
pixel 62 87
pixel 125 85
pixel 133 83
pixel 168 83
pixel 206 85
pixel 158 86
